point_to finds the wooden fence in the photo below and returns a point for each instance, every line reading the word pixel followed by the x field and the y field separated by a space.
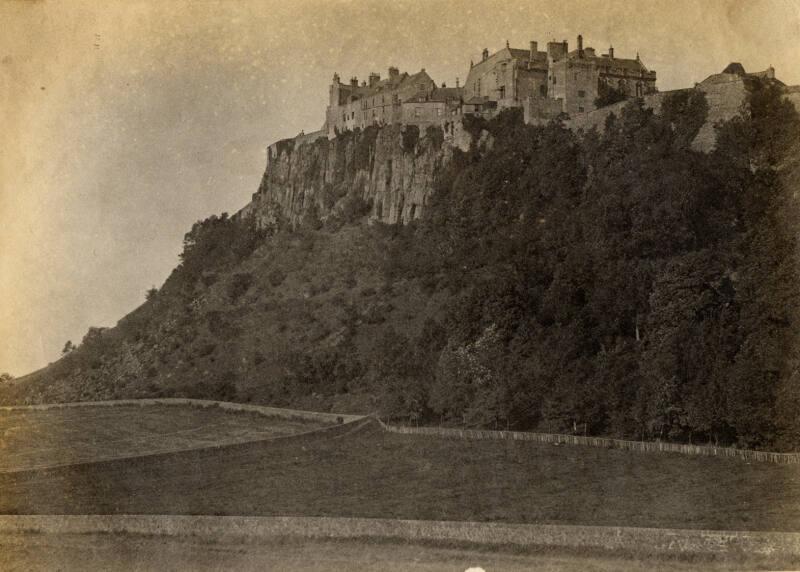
pixel 639 446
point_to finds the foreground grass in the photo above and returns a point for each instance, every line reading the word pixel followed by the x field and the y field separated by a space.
pixel 126 552
pixel 370 473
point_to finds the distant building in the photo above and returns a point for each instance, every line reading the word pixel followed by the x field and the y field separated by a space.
pixel 547 83
pixel 400 98
pixel 570 80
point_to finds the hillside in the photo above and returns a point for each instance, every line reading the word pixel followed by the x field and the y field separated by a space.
pixel 617 283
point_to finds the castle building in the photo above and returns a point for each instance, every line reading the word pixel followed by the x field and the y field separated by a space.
pixel 546 83
pixel 410 99
pixel 557 80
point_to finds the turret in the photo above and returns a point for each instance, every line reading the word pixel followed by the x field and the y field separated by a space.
pixel 374 78
pixel 394 74
pixel 556 50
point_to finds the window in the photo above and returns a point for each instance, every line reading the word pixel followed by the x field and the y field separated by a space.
pixel 543 90
pixel 580 109
pixel 554 80
pixel 417 112
pixel 581 93
pixel 439 111
pixel 502 92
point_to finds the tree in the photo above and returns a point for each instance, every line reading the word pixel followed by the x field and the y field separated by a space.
pixel 608 95
pixel 151 293
pixel 68 347
pixel 5 377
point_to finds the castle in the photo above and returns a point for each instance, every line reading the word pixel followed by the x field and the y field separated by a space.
pixel 549 82
pixel 578 87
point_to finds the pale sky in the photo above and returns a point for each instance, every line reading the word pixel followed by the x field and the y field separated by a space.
pixel 122 123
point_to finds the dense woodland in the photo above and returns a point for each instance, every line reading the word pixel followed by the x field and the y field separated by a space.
pixel 613 284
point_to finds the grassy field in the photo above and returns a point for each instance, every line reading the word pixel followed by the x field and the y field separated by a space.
pixel 59 436
pixel 125 552
pixel 370 473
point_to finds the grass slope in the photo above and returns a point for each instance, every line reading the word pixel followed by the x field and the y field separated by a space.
pixel 31 439
pixel 369 473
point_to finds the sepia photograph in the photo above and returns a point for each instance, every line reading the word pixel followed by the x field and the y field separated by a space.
pixel 400 285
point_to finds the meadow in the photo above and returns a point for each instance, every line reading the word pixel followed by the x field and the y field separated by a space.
pixel 31 439
pixel 360 470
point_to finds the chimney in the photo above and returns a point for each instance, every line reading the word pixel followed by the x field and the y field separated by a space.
pixel 374 78
pixel 444 85
pixel 457 86
pixel 394 74
pixel 485 54
pixel 611 52
pixel 580 46
pixel 354 81
pixel 534 50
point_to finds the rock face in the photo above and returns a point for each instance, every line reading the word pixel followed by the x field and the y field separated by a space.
pixel 391 168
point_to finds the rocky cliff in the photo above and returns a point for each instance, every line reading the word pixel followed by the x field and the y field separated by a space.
pixel 392 169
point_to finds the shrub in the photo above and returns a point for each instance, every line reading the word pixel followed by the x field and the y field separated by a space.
pixel 410 138
pixel 276 277
pixel 239 285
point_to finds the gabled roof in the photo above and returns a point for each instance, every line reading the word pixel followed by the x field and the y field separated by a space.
pixel 447 93
pixel 421 75
pixel 624 63
pixel 734 68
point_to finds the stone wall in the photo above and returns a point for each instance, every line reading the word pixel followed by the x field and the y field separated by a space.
pixel 725 94
pixel 779 545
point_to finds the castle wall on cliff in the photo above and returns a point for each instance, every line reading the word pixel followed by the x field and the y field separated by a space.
pixel 395 167
pixel 726 95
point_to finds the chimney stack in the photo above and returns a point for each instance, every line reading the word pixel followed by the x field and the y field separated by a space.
pixel 354 81
pixel 611 52
pixel 580 46
pixel 534 50
pixel 457 83
pixel 485 54
pixel 374 78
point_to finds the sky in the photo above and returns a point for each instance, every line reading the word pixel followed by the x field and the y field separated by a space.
pixel 123 122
